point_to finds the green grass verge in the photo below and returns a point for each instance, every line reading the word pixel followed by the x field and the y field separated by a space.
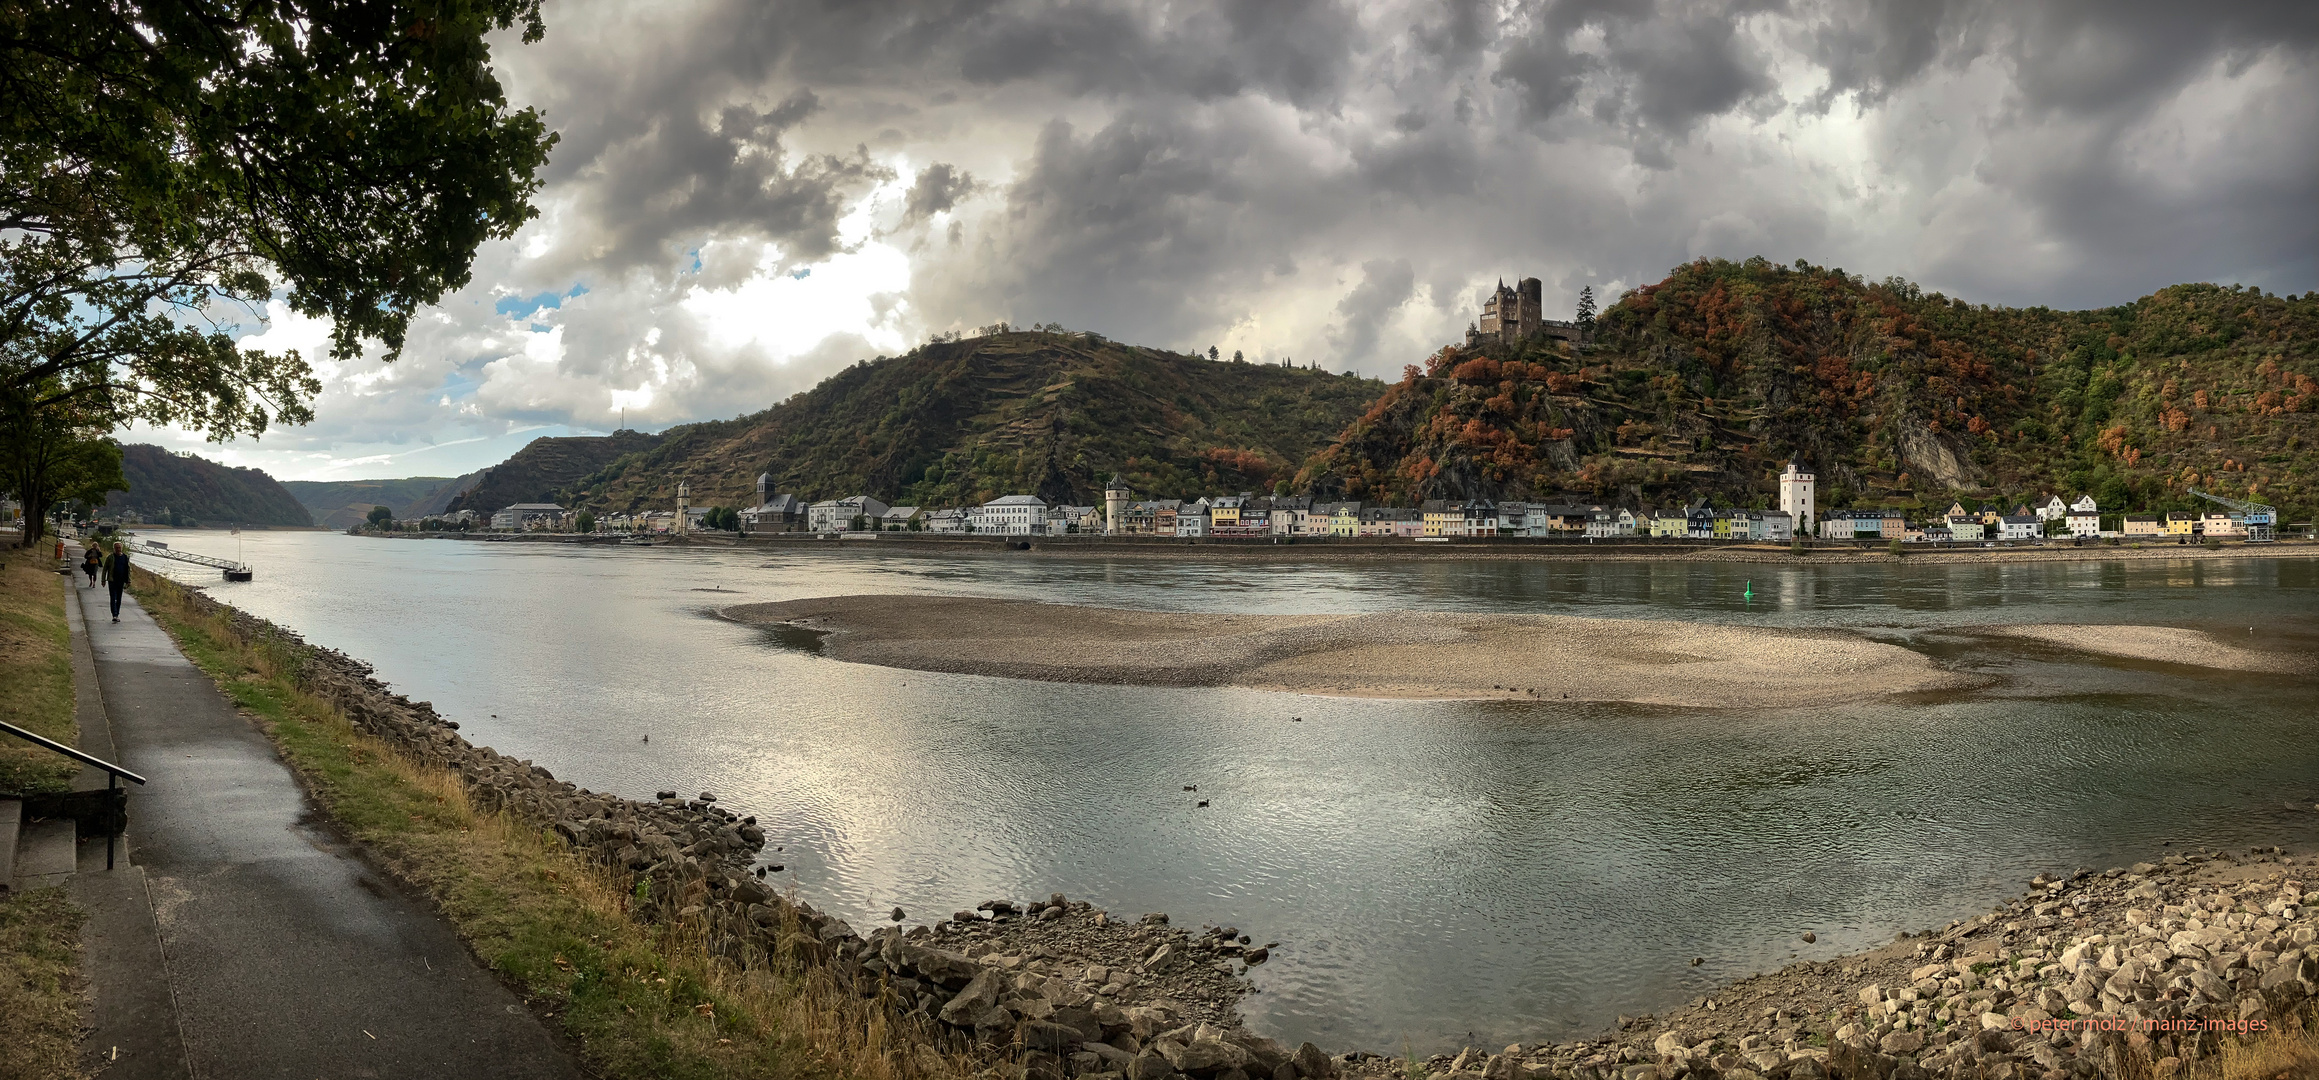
pixel 39 977
pixel 641 999
pixel 35 671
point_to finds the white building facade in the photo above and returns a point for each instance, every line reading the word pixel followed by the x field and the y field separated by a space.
pixel 1798 495
pixel 1011 515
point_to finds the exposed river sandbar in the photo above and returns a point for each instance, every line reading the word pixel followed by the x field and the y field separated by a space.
pixel 2165 644
pixel 1400 654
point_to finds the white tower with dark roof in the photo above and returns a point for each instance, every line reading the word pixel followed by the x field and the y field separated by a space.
pixel 1796 497
pixel 1114 505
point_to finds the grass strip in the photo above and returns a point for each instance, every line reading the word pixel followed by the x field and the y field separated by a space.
pixel 40 1024
pixel 642 999
pixel 35 671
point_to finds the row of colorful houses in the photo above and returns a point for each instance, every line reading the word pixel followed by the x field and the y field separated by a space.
pixel 1248 515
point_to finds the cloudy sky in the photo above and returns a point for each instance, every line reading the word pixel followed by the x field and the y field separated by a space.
pixel 749 195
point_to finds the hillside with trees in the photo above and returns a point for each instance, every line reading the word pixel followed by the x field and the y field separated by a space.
pixel 343 504
pixel 182 489
pixel 543 471
pixel 1046 412
pixel 1705 384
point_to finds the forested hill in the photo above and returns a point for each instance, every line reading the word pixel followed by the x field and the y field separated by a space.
pixel 341 504
pixel 1048 413
pixel 182 489
pixel 1705 384
pixel 544 470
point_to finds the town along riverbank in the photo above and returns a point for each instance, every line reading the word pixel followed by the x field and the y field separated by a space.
pixel 1402 654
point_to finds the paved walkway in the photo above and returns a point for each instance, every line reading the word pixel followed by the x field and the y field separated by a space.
pixel 288 955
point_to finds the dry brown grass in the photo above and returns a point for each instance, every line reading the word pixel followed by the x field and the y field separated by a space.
pixel 39 986
pixel 35 671
pixel 2286 1053
pixel 644 999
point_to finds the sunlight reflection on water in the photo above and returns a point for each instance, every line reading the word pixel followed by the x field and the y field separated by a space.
pixel 1512 870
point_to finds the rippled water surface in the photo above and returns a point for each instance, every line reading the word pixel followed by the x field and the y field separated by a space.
pixel 1435 871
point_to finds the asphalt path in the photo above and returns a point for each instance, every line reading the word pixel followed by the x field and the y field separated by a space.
pixel 288 953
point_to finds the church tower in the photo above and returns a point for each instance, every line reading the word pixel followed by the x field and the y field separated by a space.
pixel 1796 497
pixel 683 507
pixel 1114 506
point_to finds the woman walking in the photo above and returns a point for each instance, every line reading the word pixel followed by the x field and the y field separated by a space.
pixel 117 575
pixel 91 559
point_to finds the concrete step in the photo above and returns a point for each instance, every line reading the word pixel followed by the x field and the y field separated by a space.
pixel 11 819
pixel 45 853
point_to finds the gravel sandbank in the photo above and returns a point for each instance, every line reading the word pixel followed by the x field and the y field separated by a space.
pixel 2166 644
pixel 1400 654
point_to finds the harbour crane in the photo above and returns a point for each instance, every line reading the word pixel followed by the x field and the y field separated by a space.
pixel 2258 518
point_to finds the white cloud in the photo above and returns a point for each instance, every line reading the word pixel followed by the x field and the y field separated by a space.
pixel 728 217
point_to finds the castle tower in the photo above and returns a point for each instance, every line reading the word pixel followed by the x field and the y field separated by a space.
pixel 1532 307
pixel 1796 497
pixel 683 507
pixel 1114 506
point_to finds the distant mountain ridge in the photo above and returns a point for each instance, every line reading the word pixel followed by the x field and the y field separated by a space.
pixel 197 491
pixel 1050 413
pixel 544 469
pixel 343 504
pixel 1701 386
pixel 1705 384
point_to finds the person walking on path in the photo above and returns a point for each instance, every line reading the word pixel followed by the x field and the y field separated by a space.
pixel 90 560
pixel 117 575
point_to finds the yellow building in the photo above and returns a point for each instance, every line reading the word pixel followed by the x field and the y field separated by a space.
pixel 2181 523
pixel 1345 520
pixel 1443 518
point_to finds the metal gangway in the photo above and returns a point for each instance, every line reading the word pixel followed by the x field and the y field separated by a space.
pixel 234 571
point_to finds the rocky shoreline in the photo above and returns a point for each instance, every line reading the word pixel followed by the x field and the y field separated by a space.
pixel 2131 972
pixel 1055 987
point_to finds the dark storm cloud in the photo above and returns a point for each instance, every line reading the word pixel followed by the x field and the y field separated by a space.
pixel 1338 179
pixel 937 189
pixel 1386 284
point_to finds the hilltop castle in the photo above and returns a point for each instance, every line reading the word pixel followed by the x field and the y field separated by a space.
pixel 1517 313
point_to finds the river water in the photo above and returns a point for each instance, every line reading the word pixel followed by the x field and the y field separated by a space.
pixel 1436 872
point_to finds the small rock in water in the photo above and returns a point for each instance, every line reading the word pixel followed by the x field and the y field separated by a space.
pixel 897 915
pixel 1810 937
pixel 708 796
pixel 1698 960
pixel 1191 787
pixel 1203 802
pixel 776 868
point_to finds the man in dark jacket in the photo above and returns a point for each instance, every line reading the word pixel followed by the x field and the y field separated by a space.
pixel 117 575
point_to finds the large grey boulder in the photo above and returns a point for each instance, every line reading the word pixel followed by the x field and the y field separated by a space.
pixel 1313 1064
pixel 980 994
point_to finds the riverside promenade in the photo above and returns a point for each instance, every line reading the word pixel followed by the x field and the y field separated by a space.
pixel 283 951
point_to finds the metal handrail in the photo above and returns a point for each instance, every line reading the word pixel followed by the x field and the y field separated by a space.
pixel 69 752
pixel 115 774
